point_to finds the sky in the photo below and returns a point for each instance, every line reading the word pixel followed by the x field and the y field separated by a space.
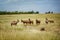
pixel 29 5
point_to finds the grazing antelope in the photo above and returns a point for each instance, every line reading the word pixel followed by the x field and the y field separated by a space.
pixel 51 21
pixel 14 22
pixel 25 21
pixel 38 21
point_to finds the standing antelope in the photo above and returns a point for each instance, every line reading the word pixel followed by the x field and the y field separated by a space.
pixel 30 21
pixel 38 21
pixel 46 21
pixel 14 22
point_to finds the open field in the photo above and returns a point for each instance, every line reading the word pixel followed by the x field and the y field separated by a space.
pixel 29 32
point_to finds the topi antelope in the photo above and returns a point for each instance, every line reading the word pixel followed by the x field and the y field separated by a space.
pixel 27 21
pixel 24 21
pixel 30 21
pixel 14 22
pixel 51 21
pixel 47 20
pixel 38 21
pixel 42 29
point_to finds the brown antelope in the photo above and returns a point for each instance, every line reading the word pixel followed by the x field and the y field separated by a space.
pixel 30 21
pixel 27 21
pixel 38 21
pixel 46 21
pixel 14 22
pixel 42 29
pixel 51 21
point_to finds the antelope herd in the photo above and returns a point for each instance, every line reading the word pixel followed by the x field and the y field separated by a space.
pixel 29 21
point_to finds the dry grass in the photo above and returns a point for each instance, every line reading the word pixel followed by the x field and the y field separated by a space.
pixel 29 32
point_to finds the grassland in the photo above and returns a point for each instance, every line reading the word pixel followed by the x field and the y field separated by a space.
pixel 29 32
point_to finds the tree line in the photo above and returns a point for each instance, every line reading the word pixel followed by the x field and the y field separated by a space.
pixel 16 12
pixel 49 12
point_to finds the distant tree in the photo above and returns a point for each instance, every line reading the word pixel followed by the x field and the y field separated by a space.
pixel 52 12
pixel 37 12
pixel 20 12
pixel 46 12
pixel 49 12
pixel 16 12
pixel 30 12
